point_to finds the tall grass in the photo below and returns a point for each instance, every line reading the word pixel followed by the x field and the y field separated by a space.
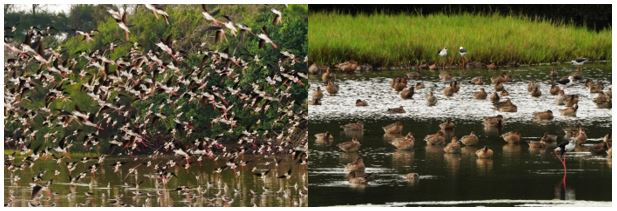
pixel 403 39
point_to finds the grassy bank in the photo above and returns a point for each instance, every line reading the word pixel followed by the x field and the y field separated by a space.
pixel 387 40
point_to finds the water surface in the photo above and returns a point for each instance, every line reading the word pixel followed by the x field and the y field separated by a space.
pixel 515 176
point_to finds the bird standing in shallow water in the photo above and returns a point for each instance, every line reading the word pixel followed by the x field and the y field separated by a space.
pixel 462 51
pixel 579 62
pixel 443 53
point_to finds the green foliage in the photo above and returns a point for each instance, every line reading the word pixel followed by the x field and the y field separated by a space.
pixel 403 39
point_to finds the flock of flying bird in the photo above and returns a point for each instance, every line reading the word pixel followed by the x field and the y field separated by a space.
pixel 572 140
pixel 160 79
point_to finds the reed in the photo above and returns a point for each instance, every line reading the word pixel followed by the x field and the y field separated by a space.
pixel 403 39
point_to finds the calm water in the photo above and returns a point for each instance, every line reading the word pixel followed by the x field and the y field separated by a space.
pixel 515 176
pixel 206 187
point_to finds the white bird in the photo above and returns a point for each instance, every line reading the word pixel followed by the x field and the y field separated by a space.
pixel 462 51
pixel 443 52
pixel 278 19
pixel 264 38
pixel 579 61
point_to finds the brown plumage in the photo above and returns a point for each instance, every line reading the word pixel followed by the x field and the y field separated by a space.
pixel 480 94
pixel 506 106
pixel 394 128
pixel 331 88
pixel 437 138
pixel 397 110
pixel 512 137
pixel 357 165
pixel 535 92
pixel 448 91
pixel 569 111
pixel 470 140
pixel 477 81
pixel 324 138
pixel 570 100
pixel 494 97
pixel 361 103
pixel 484 153
pixel 404 143
pixel 454 147
pixel 350 146
pixel 554 89
pixel 431 100
pixel 407 93
pixel 499 87
pixel 327 75
pixel 317 95
pixel 493 122
pixel 543 115
pixel 348 66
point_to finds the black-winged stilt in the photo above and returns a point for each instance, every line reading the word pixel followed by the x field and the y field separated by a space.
pixel 578 62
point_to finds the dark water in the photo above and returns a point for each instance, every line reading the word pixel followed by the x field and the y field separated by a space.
pixel 206 187
pixel 515 176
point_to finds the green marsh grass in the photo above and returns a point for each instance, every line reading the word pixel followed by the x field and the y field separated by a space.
pixel 404 39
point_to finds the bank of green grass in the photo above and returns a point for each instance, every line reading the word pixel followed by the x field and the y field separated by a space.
pixel 399 40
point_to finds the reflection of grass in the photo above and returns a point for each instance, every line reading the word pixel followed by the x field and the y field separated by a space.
pixel 73 154
pixel 384 40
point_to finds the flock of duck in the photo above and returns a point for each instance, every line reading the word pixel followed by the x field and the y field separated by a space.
pixel 55 126
pixel 444 138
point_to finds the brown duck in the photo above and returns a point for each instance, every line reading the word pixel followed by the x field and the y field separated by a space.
pixel 537 144
pixel 348 66
pixel 570 100
pixel 431 100
pixel 549 138
pixel 317 95
pixel 480 94
pixel 499 87
pixel 448 91
pixel 454 147
pixel 470 140
pixel 504 93
pixel 494 97
pixel 535 92
pixel 543 115
pixel 397 110
pixel 512 137
pixel 477 81
pixel 357 165
pixel 569 111
pixel 484 153
pixel 407 93
pixel 506 106
pixel 554 89
pixel 435 139
pixel 419 85
pixel 493 121
pixel 350 146
pixel 394 128
pixel 331 88
pixel 356 126
pixel 404 143
pixel 327 75
pixel 361 103
pixel 324 138
pixel 581 137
